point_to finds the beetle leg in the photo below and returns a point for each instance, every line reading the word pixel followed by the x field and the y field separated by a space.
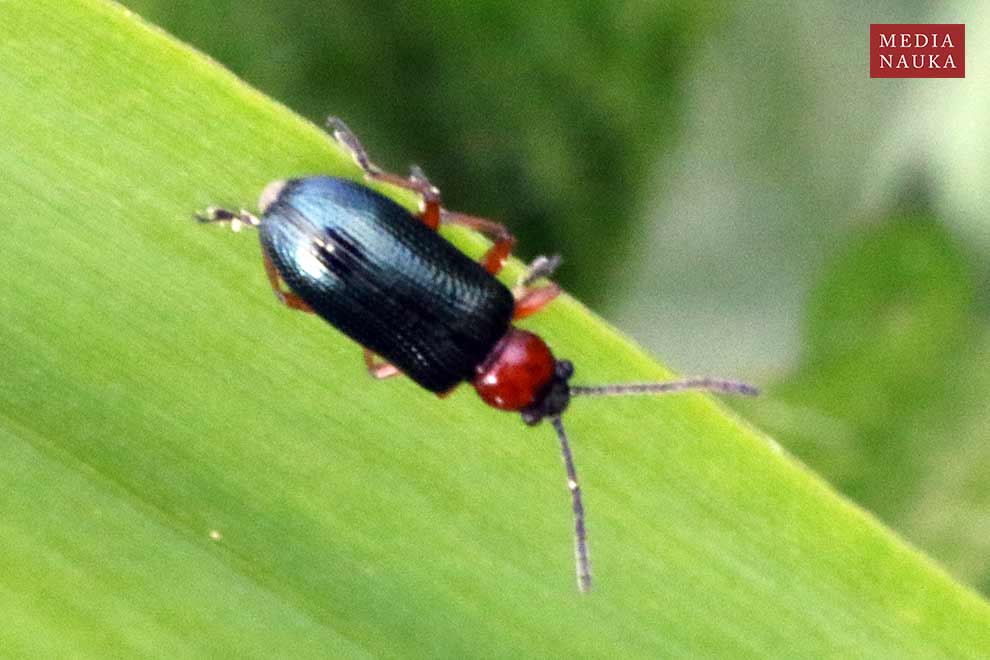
pixel 502 239
pixel 237 219
pixel 541 266
pixel 430 215
pixel 530 299
pixel 533 300
pixel 287 298
pixel 416 181
pixel 379 368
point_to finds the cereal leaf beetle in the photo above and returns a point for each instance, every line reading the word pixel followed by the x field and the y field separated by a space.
pixel 420 307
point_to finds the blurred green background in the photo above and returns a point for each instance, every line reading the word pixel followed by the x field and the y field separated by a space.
pixel 727 185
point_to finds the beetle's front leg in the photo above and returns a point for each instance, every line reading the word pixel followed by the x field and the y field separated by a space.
pixel 540 267
pixel 530 299
pixel 416 181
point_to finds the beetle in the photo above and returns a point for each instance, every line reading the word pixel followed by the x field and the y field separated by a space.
pixel 417 305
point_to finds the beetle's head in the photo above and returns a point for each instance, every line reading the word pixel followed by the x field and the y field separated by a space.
pixel 555 397
pixel 521 374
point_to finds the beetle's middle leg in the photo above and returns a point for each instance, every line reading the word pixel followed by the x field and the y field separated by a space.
pixel 502 239
pixel 379 368
pixel 416 181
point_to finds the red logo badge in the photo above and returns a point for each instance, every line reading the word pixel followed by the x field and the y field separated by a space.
pixel 918 50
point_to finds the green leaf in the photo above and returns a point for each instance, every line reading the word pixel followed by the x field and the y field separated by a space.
pixel 189 469
pixel 895 372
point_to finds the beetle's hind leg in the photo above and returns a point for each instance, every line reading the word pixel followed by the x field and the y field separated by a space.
pixel 287 298
pixel 416 181
pixel 237 219
pixel 530 299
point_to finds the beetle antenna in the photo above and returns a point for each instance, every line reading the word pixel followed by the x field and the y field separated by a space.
pixel 721 385
pixel 582 564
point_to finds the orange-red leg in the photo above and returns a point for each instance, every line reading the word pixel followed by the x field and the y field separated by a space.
pixel 287 298
pixel 238 219
pixel 431 213
pixel 530 299
pixel 379 368
pixel 416 181
pixel 502 239
pixel 533 300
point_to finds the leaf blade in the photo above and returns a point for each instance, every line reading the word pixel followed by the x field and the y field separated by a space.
pixel 150 374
